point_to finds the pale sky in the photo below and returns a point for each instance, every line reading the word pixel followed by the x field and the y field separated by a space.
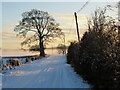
pixel 61 11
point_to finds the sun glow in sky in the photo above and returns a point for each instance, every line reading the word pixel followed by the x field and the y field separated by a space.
pixel 63 12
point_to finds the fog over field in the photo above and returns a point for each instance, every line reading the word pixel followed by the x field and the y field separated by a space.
pixel 26 52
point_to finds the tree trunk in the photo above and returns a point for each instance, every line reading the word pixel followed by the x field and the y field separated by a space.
pixel 42 52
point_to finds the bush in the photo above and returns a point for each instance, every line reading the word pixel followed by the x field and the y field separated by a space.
pixel 13 62
pixel 28 60
pixel 97 56
pixel 70 55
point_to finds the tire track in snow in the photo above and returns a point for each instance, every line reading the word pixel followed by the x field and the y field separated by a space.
pixel 53 73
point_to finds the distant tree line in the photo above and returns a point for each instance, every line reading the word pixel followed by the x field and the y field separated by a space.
pixel 61 49
pixel 34 48
pixel 97 57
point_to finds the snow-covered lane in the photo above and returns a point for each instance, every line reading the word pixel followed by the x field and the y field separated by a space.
pixel 50 72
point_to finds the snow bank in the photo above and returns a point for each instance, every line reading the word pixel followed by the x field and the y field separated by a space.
pixel 50 72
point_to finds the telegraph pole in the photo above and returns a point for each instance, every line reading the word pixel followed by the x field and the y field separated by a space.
pixel 77 26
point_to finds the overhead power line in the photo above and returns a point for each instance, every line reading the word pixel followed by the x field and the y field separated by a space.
pixel 73 16
pixel 75 13
pixel 83 6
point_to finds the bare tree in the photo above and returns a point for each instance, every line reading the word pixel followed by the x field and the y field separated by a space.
pixel 61 49
pixel 43 27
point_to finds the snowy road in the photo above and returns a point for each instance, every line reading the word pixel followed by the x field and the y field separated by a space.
pixel 50 72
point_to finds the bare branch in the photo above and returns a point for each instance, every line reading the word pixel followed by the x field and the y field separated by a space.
pixel 40 22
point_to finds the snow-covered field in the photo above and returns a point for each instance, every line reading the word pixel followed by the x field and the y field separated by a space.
pixel 50 72
pixel 17 53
